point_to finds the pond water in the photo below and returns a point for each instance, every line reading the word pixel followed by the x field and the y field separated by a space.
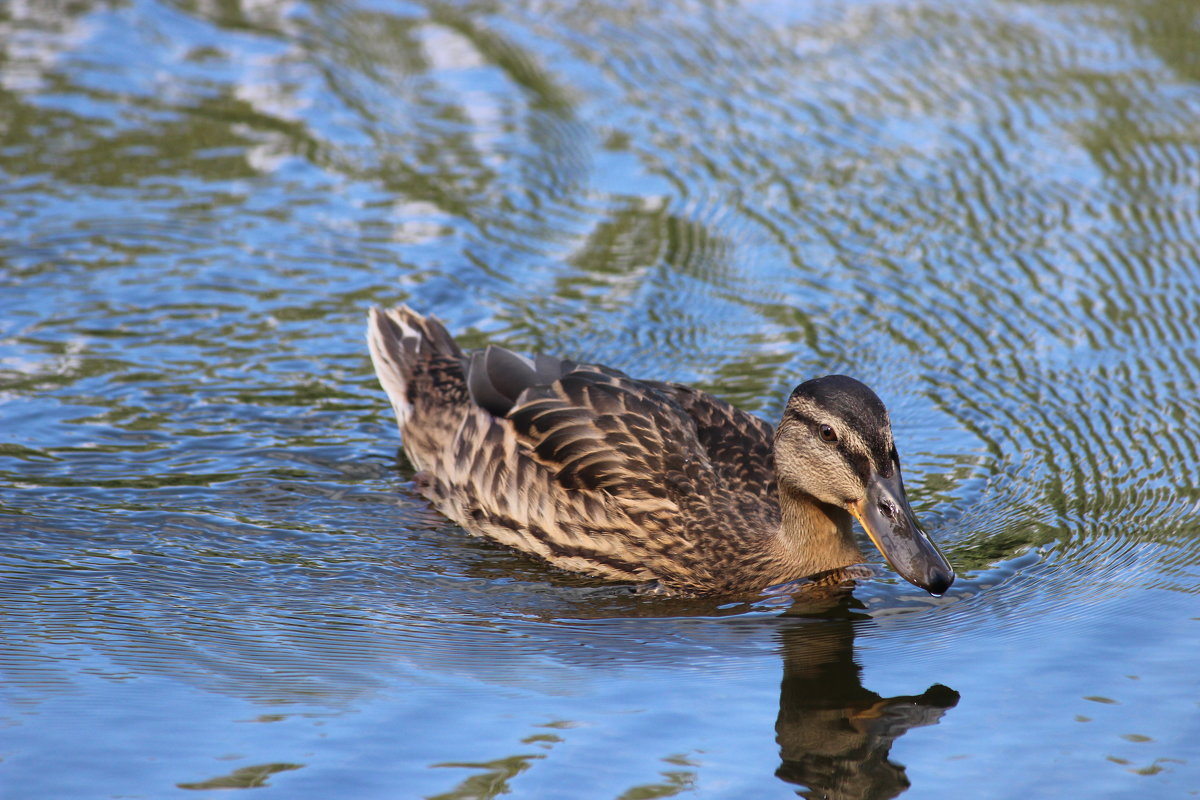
pixel 216 573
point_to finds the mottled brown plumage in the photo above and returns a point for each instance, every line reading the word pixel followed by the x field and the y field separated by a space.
pixel 646 481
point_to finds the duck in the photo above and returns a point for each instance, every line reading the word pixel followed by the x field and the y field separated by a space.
pixel 645 481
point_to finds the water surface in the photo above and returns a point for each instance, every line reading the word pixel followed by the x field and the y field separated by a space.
pixel 217 575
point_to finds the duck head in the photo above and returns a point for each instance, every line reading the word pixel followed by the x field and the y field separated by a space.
pixel 835 445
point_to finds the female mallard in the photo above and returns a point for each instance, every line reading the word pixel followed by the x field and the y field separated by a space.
pixel 636 480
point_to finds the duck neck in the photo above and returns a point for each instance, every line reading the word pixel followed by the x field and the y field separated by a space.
pixel 814 536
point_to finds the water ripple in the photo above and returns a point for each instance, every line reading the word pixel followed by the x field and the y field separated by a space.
pixel 988 212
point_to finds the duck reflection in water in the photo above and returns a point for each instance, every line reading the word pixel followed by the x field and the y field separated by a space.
pixel 660 485
pixel 834 734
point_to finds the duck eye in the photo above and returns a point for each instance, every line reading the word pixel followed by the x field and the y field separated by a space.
pixel 827 434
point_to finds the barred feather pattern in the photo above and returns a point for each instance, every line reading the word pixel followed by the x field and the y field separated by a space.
pixel 589 469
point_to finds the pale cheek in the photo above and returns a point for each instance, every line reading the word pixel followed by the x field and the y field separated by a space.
pixel 834 483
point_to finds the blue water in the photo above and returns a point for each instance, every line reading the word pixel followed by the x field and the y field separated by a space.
pixel 215 571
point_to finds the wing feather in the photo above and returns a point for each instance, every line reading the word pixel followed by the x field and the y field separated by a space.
pixel 738 444
pixel 603 431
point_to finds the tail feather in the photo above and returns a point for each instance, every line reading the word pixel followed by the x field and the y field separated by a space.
pixel 398 339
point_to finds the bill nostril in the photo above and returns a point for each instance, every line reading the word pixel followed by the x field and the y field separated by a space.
pixel 887 509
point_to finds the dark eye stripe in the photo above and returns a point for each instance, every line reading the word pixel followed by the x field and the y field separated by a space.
pixel 815 426
pixel 859 462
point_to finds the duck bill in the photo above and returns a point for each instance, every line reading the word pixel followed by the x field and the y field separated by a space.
pixel 888 519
